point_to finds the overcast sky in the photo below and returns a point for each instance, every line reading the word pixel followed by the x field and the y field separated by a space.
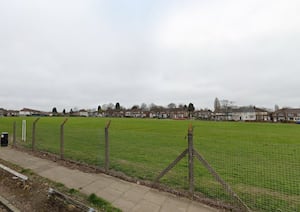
pixel 85 53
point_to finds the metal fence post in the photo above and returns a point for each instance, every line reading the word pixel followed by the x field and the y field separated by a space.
pixel 14 133
pixel 33 133
pixel 191 160
pixel 62 139
pixel 107 147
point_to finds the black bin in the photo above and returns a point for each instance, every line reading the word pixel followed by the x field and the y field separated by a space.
pixel 4 139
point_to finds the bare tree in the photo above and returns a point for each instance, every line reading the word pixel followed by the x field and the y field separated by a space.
pixel 181 106
pixel 226 103
pixel 109 106
pixel 217 104
pixel 171 105
pixel 153 106
pixel 104 106
pixel 135 107
pixel 144 107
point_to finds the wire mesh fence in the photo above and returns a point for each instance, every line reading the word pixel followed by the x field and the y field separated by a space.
pixel 83 139
pixel 263 172
pixel 259 162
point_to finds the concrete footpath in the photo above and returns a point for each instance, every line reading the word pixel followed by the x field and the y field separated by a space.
pixel 122 194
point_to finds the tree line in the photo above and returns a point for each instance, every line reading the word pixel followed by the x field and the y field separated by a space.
pixel 190 107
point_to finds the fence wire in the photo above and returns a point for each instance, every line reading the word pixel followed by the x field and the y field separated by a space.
pixel 264 174
pixel 261 165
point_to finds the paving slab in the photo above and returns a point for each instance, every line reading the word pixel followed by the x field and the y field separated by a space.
pixel 27 161
pixel 136 193
pixel 174 205
pixel 109 194
pixel 146 206
pixel 121 186
pixel 70 178
pixel 126 205
pixel 197 207
pixel 122 194
pixel 155 196
pixel 95 186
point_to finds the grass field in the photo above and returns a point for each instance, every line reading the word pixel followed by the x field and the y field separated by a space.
pixel 261 161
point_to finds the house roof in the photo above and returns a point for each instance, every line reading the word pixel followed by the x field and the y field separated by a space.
pixel 34 111
pixel 260 109
pixel 288 110
pixel 203 111
pixel 248 109
pixel 30 110
pixel 245 109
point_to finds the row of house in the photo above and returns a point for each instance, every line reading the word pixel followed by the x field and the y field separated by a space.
pixel 4 112
pixel 252 113
pixel 249 113
pixel 32 112
pixel 160 113
pixel 287 115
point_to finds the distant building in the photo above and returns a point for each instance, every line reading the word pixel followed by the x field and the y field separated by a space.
pixel 203 114
pixel 287 114
pixel 83 113
pixel 178 113
pixel 12 113
pixel 3 112
pixel 246 113
pixel 32 112
pixel 262 114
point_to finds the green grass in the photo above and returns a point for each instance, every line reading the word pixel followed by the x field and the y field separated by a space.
pixel 260 161
pixel 73 191
pixel 102 204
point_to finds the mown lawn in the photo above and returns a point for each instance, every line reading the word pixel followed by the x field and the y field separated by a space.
pixel 261 161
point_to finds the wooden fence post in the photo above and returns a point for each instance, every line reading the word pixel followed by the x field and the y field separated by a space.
pixel 191 160
pixel 33 133
pixel 62 139
pixel 14 133
pixel 107 147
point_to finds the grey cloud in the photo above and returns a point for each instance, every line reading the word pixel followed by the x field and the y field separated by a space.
pixel 85 53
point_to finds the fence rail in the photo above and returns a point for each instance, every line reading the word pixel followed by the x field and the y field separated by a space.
pixel 240 170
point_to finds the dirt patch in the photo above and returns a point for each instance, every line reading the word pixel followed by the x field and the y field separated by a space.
pixel 31 195
pixel 3 209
